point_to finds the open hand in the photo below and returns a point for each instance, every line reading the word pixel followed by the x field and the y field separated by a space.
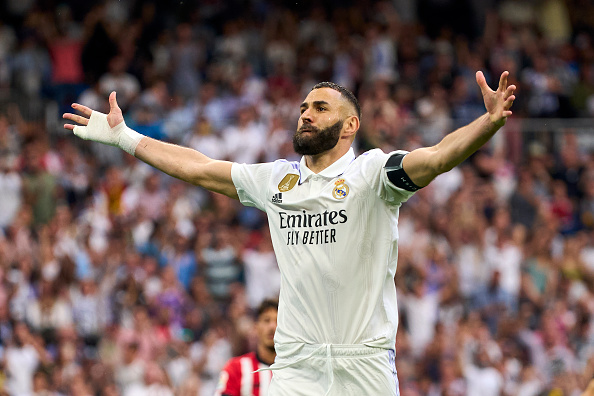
pixel 497 103
pixel 104 128
pixel 113 118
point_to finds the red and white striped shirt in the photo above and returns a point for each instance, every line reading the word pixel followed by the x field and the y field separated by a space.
pixel 239 378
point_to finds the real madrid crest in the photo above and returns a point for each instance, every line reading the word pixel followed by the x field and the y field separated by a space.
pixel 341 189
pixel 288 182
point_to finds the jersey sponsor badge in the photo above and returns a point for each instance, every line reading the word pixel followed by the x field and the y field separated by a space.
pixel 288 182
pixel 341 190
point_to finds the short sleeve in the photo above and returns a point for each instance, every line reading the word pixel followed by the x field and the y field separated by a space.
pixel 251 182
pixel 374 171
pixel 229 380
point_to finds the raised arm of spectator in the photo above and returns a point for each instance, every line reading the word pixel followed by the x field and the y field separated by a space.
pixel 180 162
pixel 424 164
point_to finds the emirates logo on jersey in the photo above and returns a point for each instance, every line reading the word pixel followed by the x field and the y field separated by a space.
pixel 341 190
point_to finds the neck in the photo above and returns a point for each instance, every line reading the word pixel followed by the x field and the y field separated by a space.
pixel 265 354
pixel 317 163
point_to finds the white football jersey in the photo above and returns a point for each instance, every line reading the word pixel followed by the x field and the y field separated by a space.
pixel 335 238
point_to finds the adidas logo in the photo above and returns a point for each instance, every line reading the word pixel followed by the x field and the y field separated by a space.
pixel 277 198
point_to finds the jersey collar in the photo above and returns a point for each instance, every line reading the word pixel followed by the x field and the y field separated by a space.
pixel 334 170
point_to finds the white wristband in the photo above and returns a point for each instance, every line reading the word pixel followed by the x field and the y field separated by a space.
pixel 98 130
pixel 129 138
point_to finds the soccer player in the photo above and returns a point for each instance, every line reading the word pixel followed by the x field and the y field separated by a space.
pixel 333 220
pixel 241 377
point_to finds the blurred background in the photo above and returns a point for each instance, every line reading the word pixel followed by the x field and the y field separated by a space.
pixel 116 279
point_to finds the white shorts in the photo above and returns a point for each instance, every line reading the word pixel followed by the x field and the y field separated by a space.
pixel 335 370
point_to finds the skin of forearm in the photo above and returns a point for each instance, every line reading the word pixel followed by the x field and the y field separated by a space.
pixel 463 142
pixel 188 165
pixel 424 164
pixel 177 161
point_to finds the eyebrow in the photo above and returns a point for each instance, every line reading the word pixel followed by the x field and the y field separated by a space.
pixel 316 103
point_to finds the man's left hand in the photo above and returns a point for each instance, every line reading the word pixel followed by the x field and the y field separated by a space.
pixel 498 103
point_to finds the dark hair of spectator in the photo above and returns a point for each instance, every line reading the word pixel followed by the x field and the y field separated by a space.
pixel 266 305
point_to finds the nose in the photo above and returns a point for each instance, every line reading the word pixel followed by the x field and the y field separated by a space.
pixel 306 117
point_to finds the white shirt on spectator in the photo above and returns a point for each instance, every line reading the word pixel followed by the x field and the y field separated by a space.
pixel 10 196
pixel 472 271
pixel 20 299
pixel 152 204
pixel 532 387
pixel 262 276
pixel 59 315
pixel 216 358
pixel 587 256
pixel 126 85
pixel 91 98
pixel 178 370
pixel 507 260
pixel 89 313
pixel 275 140
pixel 244 145
pixel 445 184
pixel 421 315
pixel 210 145
pixel 150 390
pixel 483 381
pixel 129 376
pixel 21 364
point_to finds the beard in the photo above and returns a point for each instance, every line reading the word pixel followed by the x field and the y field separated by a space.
pixel 270 348
pixel 318 141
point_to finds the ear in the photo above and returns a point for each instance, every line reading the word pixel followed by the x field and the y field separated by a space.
pixel 351 126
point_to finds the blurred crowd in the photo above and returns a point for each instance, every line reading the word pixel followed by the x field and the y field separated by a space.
pixel 118 280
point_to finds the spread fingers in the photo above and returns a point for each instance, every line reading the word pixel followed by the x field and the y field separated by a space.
pixel 83 109
pixel 76 118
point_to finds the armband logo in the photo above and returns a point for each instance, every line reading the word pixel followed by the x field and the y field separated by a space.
pixel 341 190
pixel 288 182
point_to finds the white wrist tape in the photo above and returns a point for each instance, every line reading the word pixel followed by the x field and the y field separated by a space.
pixel 99 130
pixel 129 138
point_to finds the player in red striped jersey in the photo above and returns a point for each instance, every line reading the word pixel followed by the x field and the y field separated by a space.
pixel 239 378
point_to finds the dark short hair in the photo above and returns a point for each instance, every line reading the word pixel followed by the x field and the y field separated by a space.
pixel 348 95
pixel 265 305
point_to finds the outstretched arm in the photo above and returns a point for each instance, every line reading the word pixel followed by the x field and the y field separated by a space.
pixel 180 162
pixel 424 164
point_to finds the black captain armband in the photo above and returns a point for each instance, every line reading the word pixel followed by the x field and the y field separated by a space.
pixel 397 175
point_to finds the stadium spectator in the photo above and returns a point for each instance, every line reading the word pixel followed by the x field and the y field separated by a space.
pixel 262 278
pixel 22 358
pixel 240 376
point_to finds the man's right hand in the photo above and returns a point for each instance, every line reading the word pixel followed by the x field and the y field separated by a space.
pixel 108 129
pixel 186 164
